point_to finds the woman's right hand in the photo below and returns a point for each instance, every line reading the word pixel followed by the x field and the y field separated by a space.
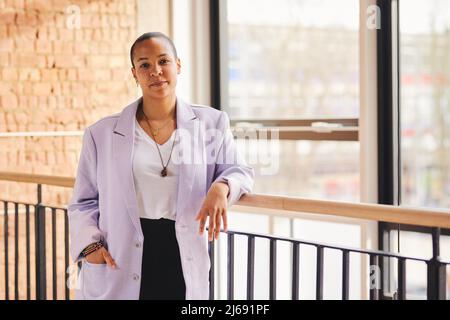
pixel 101 256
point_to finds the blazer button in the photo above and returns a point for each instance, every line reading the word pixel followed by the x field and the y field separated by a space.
pixel 137 244
pixel 135 277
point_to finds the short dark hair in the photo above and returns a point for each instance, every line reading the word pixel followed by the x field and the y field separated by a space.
pixel 150 35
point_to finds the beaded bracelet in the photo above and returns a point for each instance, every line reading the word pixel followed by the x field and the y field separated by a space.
pixel 91 248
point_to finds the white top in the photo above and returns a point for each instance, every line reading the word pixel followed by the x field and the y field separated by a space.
pixel 156 195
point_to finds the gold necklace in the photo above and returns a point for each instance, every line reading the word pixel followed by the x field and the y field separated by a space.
pixel 163 172
pixel 154 132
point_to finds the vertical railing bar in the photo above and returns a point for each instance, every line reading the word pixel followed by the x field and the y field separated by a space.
pixel 345 274
pixel 230 280
pixel 273 269
pixel 319 273
pixel 250 267
pixel 295 270
pixel 37 244
pixel 66 254
pixel 36 251
pixel 27 231
pixel 374 293
pixel 16 251
pixel 54 262
pixel 41 272
pixel 5 236
pixel 436 270
pixel 39 194
pixel 401 274
pixel 211 247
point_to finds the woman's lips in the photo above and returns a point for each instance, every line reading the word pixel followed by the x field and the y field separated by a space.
pixel 158 84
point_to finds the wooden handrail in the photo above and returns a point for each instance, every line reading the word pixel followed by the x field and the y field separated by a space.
pixel 376 212
pixel 67 182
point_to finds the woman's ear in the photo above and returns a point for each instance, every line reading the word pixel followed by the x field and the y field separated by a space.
pixel 178 66
pixel 133 71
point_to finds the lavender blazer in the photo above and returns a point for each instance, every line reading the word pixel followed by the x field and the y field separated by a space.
pixel 104 205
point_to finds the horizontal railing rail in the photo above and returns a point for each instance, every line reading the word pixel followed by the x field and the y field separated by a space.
pixel 436 219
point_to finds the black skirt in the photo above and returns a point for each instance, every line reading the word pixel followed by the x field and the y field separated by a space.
pixel 162 275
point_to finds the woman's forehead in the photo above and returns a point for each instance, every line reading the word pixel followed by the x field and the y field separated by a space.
pixel 153 47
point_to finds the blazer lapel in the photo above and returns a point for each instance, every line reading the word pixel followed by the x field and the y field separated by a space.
pixel 188 124
pixel 123 147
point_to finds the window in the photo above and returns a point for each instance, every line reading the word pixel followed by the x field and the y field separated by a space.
pixel 296 59
pixel 293 66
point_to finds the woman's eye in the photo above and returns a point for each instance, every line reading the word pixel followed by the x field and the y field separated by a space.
pixel 144 65
pixel 164 61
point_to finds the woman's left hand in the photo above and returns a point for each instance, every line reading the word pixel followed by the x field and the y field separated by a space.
pixel 214 207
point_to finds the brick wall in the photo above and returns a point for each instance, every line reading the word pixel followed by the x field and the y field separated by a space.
pixel 63 65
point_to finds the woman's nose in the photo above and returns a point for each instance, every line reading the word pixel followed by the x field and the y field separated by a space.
pixel 156 71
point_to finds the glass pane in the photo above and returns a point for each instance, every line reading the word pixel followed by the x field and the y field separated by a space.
pixel 306 169
pixel 292 58
pixel 425 102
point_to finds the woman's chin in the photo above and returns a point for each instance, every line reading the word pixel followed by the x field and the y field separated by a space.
pixel 161 94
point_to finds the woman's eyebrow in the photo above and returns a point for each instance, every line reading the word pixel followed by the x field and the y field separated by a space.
pixel 145 58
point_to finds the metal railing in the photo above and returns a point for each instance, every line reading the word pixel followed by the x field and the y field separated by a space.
pixel 36 216
pixel 436 268
pixel 39 213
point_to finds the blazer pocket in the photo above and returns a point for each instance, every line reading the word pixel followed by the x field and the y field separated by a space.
pixel 94 280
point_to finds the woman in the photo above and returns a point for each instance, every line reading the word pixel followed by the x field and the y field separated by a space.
pixel 148 180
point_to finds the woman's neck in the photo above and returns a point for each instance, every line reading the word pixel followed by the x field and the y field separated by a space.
pixel 160 109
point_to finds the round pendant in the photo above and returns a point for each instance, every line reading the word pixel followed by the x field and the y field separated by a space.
pixel 164 172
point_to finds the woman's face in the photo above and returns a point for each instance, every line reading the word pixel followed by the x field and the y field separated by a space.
pixel 155 68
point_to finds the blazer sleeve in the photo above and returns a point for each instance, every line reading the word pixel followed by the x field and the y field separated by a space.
pixel 83 208
pixel 230 166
